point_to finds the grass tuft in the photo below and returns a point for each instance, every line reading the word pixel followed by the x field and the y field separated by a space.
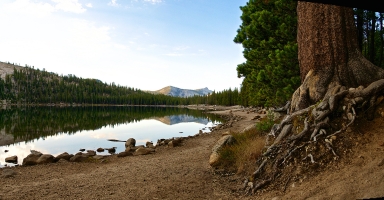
pixel 242 155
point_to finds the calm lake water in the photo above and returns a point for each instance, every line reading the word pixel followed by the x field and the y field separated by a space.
pixel 54 130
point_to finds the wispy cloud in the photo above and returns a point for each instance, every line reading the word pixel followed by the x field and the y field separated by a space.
pixel 181 48
pixel 174 54
pixel 113 3
pixel 154 1
pixel 89 5
pixel 69 6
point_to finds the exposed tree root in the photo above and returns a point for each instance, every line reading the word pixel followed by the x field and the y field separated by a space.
pixel 303 133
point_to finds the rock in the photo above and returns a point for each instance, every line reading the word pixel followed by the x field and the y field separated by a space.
pixel 8 173
pixel 90 153
pixel 62 160
pixel 225 133
pixel 64 156
pixel 100 150
pixel 45 158
pixel 200 132
pixel 98 157
pixel 111 150
pixel 78 154
pixel 174 143
pixel 78 158
pixel 143 151
pixel 37 153
pixel 31 159
pixel 81 150
pixel 225 140
pixel 124 154
pixel 131 142
pixel 149 144
pixel 5 151
pixel 12 159
pixel 214 158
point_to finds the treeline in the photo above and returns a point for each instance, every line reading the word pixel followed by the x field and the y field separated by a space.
pixel 27 85
pixel 226 98
pixel 370 31
pixel 268 36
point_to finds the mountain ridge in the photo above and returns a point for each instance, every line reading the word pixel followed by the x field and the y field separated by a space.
pixel 178 92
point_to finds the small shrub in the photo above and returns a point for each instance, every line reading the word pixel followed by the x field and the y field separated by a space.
pixel 266 124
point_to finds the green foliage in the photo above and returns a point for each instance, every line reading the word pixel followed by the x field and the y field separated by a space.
pixel 226 98
pixel 30 86
pixel 266 124
pixel 268 35
pixel 371 35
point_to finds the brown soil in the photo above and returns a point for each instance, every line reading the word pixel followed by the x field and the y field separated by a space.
pixel 184 173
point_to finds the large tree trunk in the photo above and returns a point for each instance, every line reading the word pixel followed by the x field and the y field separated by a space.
pixel 335 77
pixel 329 54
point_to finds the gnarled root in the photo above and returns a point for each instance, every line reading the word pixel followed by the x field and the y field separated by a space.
pixel 300 133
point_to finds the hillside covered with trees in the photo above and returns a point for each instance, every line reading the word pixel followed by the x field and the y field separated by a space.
pixel 27 85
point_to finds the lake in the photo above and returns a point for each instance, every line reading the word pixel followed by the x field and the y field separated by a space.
pixel 54 130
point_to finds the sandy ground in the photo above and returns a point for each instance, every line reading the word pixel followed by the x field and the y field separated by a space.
pixel 184 173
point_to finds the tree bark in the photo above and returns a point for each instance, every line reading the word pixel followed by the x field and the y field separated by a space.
pixel 328 53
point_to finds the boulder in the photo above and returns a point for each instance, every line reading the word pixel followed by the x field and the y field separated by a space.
pixel 124 154
pixel 12 159
pixel 100 150
pixel 215 156
pixel 143 151
pixel 131 142
pixel 64 156
pixel 149 144
pixel 78 158
pixel 37 153
pixel 8 173
pixel 45 158
pixel 31 159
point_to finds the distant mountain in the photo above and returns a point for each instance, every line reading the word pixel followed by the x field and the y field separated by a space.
pixel 178 92
pixel 175 119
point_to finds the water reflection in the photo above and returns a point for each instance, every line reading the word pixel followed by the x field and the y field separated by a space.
pixel 55 130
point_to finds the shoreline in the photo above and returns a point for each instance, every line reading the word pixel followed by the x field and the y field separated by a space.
pixel 190 160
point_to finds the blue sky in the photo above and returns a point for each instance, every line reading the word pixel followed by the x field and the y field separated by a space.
pixel 146 44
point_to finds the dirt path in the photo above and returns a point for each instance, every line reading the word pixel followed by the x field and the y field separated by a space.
pixel 184 173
